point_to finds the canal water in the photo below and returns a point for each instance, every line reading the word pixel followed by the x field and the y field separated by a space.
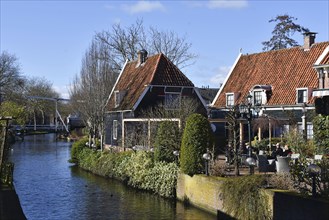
pixel 51 188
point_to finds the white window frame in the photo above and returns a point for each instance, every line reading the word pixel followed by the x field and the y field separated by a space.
pixel 115 129
pixel 116 98
pixel 230 102
pixel 309 130
pixel 305 95
pixel 171 106
pixel 261 101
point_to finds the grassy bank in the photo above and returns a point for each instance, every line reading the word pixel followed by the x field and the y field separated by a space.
pixel 136 169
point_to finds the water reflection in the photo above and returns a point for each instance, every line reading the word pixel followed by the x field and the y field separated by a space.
pixel 50 188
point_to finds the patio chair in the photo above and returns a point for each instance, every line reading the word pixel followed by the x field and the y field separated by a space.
pixel 263 164
pixel 282 164
pixel 295 158
pixel 318 157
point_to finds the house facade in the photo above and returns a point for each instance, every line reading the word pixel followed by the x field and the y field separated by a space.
pixel 283 87
pixel 148 90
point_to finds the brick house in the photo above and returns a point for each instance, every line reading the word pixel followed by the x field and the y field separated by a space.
pixel 281 84
pixel 145 86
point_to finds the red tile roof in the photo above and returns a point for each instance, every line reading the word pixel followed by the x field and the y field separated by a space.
pixel 157 70
pixel 285 70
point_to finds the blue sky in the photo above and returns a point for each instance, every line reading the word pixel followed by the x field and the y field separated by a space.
pixel 50 37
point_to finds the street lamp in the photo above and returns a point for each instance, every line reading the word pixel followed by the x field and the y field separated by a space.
pixel 252 163
pixel 313 170
pixel 176 153
pixel 246 111
pixel 207 157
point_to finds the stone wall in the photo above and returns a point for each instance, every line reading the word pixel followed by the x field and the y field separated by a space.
pixel 203 192
pixel 200 190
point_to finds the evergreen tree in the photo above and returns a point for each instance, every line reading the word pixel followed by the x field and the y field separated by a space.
pixel 283 30
pixel 168 140
pixel 196 139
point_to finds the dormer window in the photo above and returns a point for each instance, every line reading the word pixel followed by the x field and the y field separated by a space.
pixel 118 96
pixel 230 99
pixel 258 100
pixel 261 94
pixel 302 95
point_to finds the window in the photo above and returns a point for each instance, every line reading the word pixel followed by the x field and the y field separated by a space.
pixel 301 95
pixel 309 131
pixel 115 129
pixel 172 100
pixel 286 128
pixel 258 97
pixel 116 98
pixel 229 100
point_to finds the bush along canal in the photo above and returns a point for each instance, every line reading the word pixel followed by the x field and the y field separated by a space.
pixel 49 187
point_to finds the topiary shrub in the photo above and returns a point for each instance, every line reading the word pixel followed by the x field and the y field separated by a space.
pixel 196 139
pixel 168 140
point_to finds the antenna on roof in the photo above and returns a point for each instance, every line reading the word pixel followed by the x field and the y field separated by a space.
pixel 240 50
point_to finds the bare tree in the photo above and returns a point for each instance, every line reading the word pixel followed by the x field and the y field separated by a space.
pixel 125 42
pixel 281 35
pixel 91 88
pixel 10 76
pixel 232 118
pixel 39 87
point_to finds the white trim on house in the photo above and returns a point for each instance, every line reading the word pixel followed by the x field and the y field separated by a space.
pixel 115 84
pixel 321 93
pixel 226 79
pixel 200 97
pixel 141 97
pixel 324 53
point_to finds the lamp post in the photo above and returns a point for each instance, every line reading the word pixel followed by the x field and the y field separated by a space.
pixel 207 157
pixel 313 170
pixel 252 163
pixel 304 121
pixel 246 111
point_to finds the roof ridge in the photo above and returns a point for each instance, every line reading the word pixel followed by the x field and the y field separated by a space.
pixel 285 49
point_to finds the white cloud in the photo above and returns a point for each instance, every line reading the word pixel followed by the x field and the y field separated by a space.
pixel 144 6
pixel 213 4
pixel 62 91
pixel 221 74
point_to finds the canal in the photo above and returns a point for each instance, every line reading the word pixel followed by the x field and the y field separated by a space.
pixel 51 188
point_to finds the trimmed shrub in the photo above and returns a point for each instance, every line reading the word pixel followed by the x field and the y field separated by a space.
pixel 168 140
pixel 321 134
pixel 76 149
pixel 136 169
pixel 243 197
pixel 196 139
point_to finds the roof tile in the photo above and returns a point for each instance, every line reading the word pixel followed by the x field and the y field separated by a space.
pixel 157 70
pixel 285 70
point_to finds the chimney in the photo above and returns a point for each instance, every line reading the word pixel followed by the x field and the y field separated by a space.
pixel 141 57
pixel 309 38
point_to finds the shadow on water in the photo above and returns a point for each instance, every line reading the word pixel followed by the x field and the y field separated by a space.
pixel 51 188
